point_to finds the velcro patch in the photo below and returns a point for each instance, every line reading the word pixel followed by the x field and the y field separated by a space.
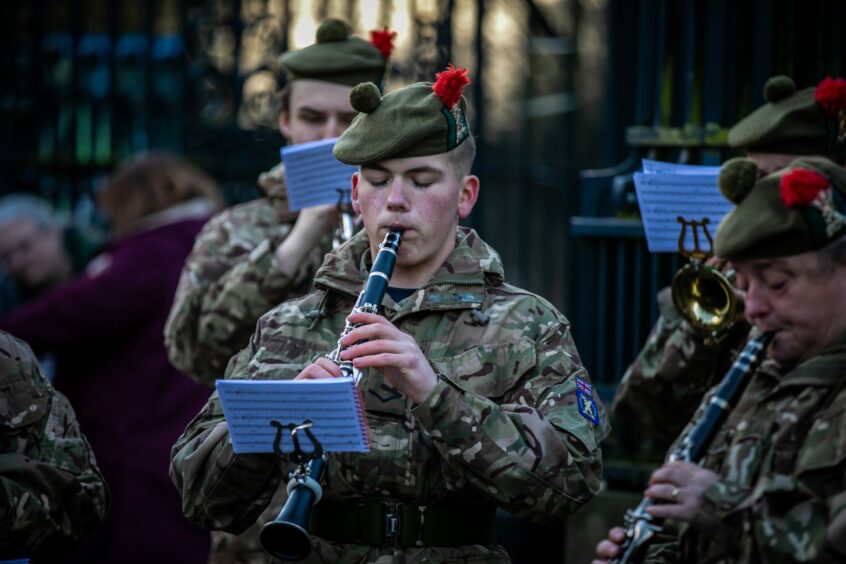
pixel 587 407
pixel 584 386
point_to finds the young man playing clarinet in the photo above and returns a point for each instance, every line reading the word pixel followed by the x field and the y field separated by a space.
pixel 255 255
pixel 474 392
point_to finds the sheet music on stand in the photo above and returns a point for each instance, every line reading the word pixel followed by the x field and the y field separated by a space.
pixel 333 405
pixel 666 191
pixel 313 175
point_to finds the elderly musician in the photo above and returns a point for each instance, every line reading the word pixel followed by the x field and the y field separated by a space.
pixel 771 486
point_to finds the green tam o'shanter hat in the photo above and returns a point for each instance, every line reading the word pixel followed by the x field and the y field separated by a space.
pixel 797 209
pixel 339 57
pixel 811 121
pixel 417 120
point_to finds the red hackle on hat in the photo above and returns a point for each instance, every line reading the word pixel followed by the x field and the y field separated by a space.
pixel 449 85
pixel 831 95
pixel 383 40
pixel 800 187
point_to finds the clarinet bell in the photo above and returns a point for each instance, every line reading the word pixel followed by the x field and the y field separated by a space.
pixel 286 537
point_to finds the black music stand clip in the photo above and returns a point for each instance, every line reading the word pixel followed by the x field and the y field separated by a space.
pixel 298 455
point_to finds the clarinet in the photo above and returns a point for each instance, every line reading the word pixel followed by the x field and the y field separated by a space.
pixel 370 299
pixel 287 537
pixel 641 527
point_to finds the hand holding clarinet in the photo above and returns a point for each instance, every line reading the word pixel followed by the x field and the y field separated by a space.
pixel 677 488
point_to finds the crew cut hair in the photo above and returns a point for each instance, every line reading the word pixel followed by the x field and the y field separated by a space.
pixel 461 158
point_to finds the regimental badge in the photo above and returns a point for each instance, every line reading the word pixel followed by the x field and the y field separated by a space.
pixel 807 190
pixel 834 220
pixel 457 130
pixel 584 399
pixel 448 87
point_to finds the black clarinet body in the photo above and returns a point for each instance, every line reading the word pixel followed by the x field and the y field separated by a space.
pixel 370 299
pixel 641 527
pixel 287 537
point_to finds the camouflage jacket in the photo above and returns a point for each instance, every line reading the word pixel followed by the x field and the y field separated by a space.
pixel 51 491
pixel 230 280
pixel 501 427
pixel 781 457
pixel 663 387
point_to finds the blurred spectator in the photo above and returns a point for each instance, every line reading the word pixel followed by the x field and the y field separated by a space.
pixel 37 252
pixel 106 331
pixel 53 493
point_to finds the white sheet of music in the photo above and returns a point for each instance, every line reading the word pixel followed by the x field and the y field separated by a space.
pixel 313 175
pixel 660 167
pixel 333 405
pixel 668 190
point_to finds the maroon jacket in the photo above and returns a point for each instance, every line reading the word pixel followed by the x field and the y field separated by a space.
pixel 106 329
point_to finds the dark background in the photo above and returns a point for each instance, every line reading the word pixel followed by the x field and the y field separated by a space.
pixel 567 96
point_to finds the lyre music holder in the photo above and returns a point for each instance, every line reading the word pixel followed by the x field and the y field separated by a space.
pixel 697 253
pixel 298 455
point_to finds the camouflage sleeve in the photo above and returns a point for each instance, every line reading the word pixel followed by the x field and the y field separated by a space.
pixel 222 490
pixel 51 491
pixel 797 516
pixel 251 288
pixel 208 261
pixel 228 282
pixel 675 368
pixel 532 453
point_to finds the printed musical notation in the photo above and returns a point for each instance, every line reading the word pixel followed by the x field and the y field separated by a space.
pixel 660 167
pixel 333 406
pixel 313 175
pixel 666 191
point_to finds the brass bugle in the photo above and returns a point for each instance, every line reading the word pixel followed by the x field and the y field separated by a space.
pixel 703 296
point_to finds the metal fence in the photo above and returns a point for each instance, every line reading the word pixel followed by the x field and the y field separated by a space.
pixel 90 82
pixel 680 74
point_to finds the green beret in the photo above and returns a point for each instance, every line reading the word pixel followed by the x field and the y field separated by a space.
pixel 417 120
pixel 337 57
pixel 794 210
pixel 793 122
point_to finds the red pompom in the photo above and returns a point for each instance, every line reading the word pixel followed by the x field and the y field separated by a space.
pixel 384 41
pixel 831 95
pixel 449 84
pixel 799 187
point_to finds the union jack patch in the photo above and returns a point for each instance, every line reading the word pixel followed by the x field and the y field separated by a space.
pixel 584 386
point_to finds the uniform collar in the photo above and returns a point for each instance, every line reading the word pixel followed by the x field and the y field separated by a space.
pixel 458 284
pixel 826 369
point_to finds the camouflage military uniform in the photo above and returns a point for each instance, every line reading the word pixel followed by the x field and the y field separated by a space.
pixel 51 492
pixel 664 385
pixel 781 457
pixel 230 280
pixel 500 428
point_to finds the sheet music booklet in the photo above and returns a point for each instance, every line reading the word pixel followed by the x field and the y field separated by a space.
pixel 313 175
pixel 333 405
pixel 668 190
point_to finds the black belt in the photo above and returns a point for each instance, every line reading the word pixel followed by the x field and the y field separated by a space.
pixel 403 525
